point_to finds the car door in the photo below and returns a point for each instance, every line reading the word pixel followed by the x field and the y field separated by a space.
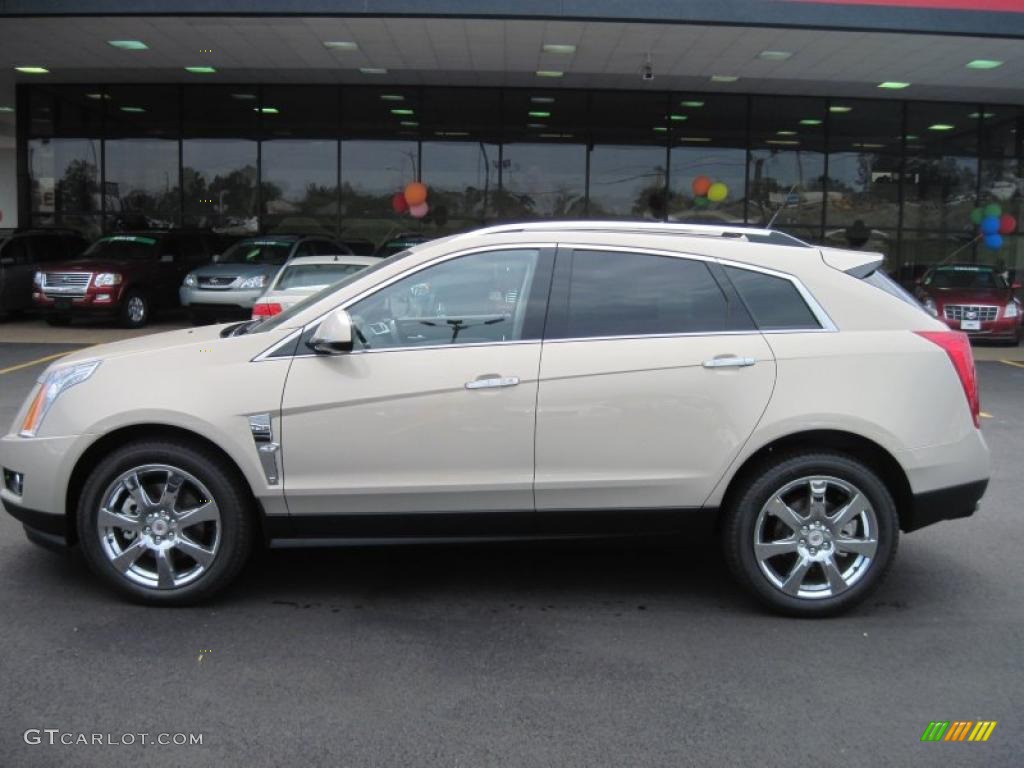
pixel 652 377
pixel 433 412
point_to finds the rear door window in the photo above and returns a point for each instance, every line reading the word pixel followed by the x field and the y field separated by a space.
pixel 631 294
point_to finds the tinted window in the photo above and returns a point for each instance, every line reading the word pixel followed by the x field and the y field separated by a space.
pixel 119 247
pixel 629 294
pixel 774 302
pixel 47 248
pixel 74 246
pixel 16 249
pixel 474 299
pixel 966 278
pixel 261 251
pixel 882 281
pixel 315 275
pixel 193 248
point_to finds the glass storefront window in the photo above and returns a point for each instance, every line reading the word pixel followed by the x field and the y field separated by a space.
pixel 1002 182
pixel 1002 131
pixel 142 184
pixel 942 129
pixel 939 192
pixel 372 172
pixel 863 187
pixel 220 185
pixel 299 186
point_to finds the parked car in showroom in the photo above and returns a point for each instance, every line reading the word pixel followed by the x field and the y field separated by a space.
pixel 551 379
pixel 304 275
pixel 228 288
pixel 973 298
pixel 23 252
pixel 127 276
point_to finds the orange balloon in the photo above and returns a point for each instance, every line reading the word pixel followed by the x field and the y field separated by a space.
pixel 701 185
pixel 415 193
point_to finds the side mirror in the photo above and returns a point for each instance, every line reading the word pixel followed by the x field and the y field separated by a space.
pixel 334 334
pixel 6 261
pixel 167 258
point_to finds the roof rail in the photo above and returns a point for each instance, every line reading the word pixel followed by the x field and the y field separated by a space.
pixel 740 232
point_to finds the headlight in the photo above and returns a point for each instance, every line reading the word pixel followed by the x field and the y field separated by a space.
pixel 929 305
pixel 1012 310
pixel 51 385
pixel 190 281
pixel 37 279
pixel 252 282
pixel 106 278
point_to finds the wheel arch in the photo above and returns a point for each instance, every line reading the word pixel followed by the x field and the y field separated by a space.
pixel 856 446
pixel 101 447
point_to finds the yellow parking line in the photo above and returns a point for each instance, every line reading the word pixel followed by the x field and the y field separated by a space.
pixel 1008 362
pixel 37 361
pixel 985 415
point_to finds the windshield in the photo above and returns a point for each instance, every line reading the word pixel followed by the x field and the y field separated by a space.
pixel 289 312
pixel 262 251
pixel 968 278
pixel 124 247
pixel 315 275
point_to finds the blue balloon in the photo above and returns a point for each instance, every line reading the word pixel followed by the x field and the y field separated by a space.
pixel 994 241
pixel 990 225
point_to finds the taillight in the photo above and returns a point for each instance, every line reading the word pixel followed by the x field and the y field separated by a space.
pixel 265 309
pixel 958 347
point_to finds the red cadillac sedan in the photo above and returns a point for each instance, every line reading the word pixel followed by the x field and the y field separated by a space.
pixel 973 298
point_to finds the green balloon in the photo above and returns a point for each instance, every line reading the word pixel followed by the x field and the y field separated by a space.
pixel 993 209
pixel 700 202
pixel 977 215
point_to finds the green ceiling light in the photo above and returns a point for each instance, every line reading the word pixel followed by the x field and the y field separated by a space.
pixel 200 70
pixel 6 108
pixel 403 111
pixel 836 109
pixel 133 109
pixel 783 142
pixel 893 85
pixel 409 123
pixel 660 128
pixel 373 71
pixel 810 121
pixel 97 96
pixel 941 127
pixel 129 45
pixel 911 137
pixel 724 78
pixel 677 118
pixel 542 99
pixel 695 139
pixel 267 110
pixel 243 96
pixel 536 125
pixel 982 115
pixel 392 97
pixel 775 55
pixel 341 45
pixel 692 104
pixel 785 133
pixel 32 70
pixel 983 64
pixel 538 113
pixel 559 48
pixel 550 73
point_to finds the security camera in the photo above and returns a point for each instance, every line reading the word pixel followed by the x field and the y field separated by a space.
pixel 647 70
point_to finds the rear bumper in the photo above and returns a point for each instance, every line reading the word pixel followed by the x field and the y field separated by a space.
pixel 950 503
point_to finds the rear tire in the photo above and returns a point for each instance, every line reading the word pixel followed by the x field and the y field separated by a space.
pixel 165 522
pixel 811 533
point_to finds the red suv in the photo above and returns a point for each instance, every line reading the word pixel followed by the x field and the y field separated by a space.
pixel 126 275
pixel 973 298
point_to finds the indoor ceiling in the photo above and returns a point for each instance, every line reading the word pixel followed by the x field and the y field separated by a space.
pixel 507 52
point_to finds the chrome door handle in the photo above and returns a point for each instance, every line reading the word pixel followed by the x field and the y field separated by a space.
pixel 491 382
pixel 729 361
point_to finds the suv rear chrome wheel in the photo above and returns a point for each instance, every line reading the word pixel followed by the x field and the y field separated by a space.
pixel 811 534
pixel 165 521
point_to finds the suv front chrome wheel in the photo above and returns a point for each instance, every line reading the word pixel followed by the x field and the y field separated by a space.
pixel 165 522
pixel 811 534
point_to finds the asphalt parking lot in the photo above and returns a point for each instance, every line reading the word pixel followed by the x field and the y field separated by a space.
pixel 556 655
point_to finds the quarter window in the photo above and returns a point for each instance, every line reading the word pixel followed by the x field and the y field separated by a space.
pixel 775 302
pixel 479 298
pixel 630 294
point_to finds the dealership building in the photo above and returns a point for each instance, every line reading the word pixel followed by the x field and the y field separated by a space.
pixel 878 124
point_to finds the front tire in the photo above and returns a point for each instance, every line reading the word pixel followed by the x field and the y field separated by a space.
pixel 165 522
pixel 134 310
pixel 811 534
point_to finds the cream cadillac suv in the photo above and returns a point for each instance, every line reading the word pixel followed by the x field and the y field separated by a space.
pixel 522 381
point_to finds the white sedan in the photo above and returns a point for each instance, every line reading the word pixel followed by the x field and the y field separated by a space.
pixel 303 276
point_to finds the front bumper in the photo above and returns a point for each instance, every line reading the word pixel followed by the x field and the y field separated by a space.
pixel 1003 329
pixel 227 299
pixel 46 464
pixel 98 302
